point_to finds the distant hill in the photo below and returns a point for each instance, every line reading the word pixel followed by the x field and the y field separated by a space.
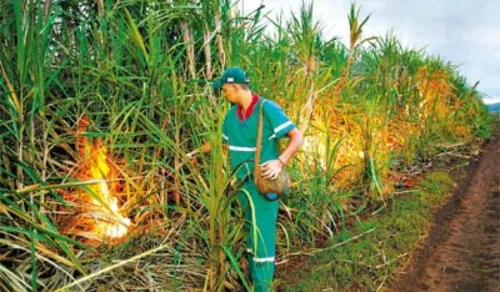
pixel 494 107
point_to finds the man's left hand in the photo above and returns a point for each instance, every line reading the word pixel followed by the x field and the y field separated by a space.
pixel 271 169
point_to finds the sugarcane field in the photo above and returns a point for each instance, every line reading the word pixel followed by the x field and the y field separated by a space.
pixel 265 145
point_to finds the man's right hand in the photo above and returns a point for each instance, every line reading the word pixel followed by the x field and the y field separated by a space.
pixel 203 149
pixel 192 154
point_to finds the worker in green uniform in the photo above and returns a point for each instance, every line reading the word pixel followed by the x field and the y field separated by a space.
pixel 239 132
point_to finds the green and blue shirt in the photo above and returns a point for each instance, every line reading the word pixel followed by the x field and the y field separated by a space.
pixel 240 133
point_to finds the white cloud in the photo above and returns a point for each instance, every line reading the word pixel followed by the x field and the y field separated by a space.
pixel 490 100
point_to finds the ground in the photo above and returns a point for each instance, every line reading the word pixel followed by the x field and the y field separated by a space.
pixel 462 252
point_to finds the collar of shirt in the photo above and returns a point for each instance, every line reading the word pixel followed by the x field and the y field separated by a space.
pixel 245 115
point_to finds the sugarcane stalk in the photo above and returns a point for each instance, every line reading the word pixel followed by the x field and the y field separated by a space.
pixel 208 53
pixel 219 40
pixel 6 162
pixel 188 40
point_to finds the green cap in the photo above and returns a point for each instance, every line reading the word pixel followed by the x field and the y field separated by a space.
pixel 231 75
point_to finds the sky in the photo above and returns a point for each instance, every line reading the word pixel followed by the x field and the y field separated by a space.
pixel 464 32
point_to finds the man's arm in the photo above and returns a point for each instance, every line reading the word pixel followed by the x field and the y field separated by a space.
pixel 295 141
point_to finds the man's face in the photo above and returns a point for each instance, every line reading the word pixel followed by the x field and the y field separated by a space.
pixel 231 92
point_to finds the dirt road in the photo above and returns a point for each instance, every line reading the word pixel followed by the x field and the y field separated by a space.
pixel 462 252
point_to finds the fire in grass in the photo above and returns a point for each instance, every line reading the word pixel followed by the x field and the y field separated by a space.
pixel 96 215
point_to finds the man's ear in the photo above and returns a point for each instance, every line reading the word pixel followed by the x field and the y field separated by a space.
pixel 243 87
pixel 234 86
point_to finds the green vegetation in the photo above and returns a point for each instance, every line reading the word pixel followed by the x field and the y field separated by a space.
pixel 101 100
pixel 369 262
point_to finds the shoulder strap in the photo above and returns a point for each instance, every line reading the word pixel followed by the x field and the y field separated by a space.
pixel 259 136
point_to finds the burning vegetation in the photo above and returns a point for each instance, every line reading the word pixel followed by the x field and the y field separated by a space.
pixel 96 214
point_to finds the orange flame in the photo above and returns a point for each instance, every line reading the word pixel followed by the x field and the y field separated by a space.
pixel 109 222
pixel 98 217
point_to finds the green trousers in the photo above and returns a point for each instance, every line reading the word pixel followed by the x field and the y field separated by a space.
pixel 261 245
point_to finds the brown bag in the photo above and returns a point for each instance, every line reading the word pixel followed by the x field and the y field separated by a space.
pixel 282 183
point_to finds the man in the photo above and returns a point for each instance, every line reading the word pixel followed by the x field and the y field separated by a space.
pixel 239 131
